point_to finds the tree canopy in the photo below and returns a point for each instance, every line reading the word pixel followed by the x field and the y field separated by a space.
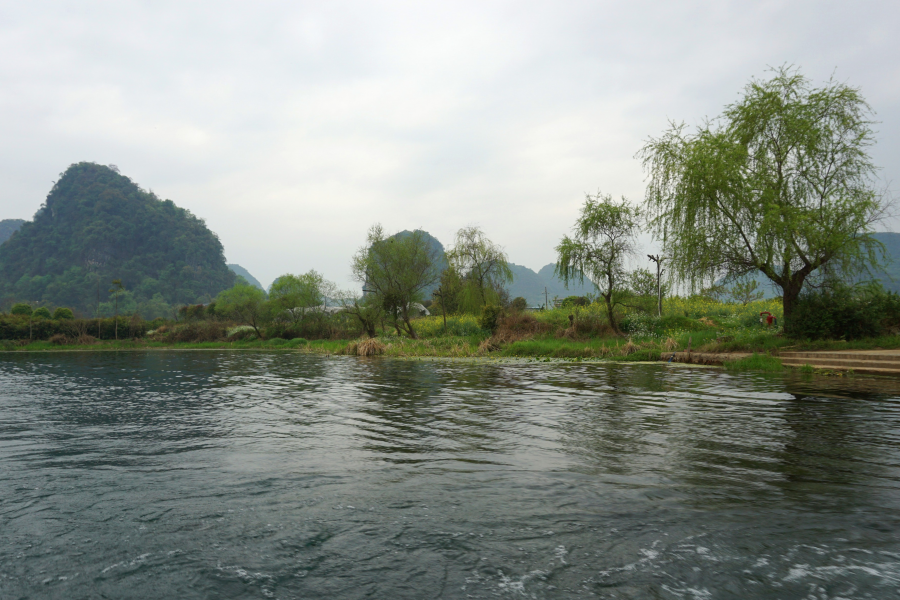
pixel 299 296
pixel 482 267
pixel 781 183
pixel 396 270
pixel 246 304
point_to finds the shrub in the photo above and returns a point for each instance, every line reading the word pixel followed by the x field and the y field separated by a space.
pixel 192 312
pixel 570 301
pixel 457 325
pixel 837 313
pixel 523 323
pixel 490 315
pixel 21 308
pixel 240 334
pixel 59 339
pixel 63 314
pixel 276 342
pixel 206 331
pixel 518 304
pixel 41 312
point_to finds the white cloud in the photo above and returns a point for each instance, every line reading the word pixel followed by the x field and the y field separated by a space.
pixel 291 127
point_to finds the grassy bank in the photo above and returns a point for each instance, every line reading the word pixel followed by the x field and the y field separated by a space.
pixel 546 346
pixel 574 333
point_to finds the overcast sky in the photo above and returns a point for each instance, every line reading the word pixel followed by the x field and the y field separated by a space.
pixel 291 127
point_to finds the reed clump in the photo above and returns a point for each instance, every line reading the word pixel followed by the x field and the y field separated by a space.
pixel 370 347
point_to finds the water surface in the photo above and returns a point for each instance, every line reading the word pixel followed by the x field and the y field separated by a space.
pixel 279 475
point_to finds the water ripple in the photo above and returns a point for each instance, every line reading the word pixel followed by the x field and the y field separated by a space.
pixel 273 475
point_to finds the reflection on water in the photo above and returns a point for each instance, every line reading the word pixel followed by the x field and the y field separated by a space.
pixel 274 475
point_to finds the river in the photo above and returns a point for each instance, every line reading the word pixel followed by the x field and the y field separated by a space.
pixel 279 475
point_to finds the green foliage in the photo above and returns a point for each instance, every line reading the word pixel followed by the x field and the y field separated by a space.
pixel 97 225
pixel 482 267
pixel 193 312
pixel 396 271
pixel 21 308
pixel 464 325
pixel 781 184
pixel 41 312
pixel 571 301
pixel 746 291
pixel 448 297
pixel 841 312
pixel 15 327
pixel 490 316
pixel 63 313
pixel 299 298
pixel 247 305
pixel 518 304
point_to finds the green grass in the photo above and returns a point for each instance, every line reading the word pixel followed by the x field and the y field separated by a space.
pixel 755 362
pixel 708 326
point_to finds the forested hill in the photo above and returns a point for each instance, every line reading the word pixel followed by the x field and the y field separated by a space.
pixel 97 225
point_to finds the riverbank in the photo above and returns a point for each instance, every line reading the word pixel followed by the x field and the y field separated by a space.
pixel 761 352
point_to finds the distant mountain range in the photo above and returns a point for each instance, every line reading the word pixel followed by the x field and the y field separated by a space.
pixel 532 286
pixel 889 276
pixel 242 272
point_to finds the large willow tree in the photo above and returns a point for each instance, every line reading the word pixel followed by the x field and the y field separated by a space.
pixel 781 183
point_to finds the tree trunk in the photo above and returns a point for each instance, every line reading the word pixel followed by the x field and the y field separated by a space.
pixel 789 296
pixel 410 330
pixel 404 315
pixel 609 313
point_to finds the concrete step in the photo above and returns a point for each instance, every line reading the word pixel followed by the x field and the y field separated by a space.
pixel 874 355
pixel 859 366
pixel 855 362
pixel 842 364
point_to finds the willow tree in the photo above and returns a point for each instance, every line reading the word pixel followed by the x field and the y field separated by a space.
pixel 298 296
pixel 602 241
pixel 781 183
pixel 482 265
pixel 396 271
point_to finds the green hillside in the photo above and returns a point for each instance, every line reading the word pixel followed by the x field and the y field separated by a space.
pixel 97 225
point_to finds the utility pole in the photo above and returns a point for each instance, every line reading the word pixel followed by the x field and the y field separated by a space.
pixel 546 301
pixel 658 258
